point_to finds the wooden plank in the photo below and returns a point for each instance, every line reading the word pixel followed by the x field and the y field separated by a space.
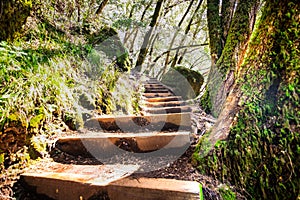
pixel 157 94
pixel 153 189
pixel 163 110
pixel 164 104
pixel 147 123
pixel 65 182
pixel 155 90
pixel 108 144
pixel 153 85
pixel 152 82
pixel 64 187
pixel 163 99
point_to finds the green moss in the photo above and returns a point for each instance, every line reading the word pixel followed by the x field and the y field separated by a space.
pixel 205 102
pixel 261 153
pixel 184 82
pixel 237 37
pixel 226 193
pixel 194 78
pixel 13 17
pixel 214 21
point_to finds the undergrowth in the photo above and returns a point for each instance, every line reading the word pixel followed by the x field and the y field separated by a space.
pixel 51 82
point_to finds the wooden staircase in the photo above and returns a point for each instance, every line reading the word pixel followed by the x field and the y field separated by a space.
pixel 162 130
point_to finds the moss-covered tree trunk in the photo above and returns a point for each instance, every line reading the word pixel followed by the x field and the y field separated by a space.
pixel 229 32
pixel 256 139
pixel 13 15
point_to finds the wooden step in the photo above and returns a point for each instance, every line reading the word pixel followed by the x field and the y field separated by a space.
pixel 156 88
pixel 66 181
pixel 84 182
pixel 147 123
pixel 157 94
pixel 153 85
pixel 153 189
pixel 157 85
pixel 163 110
pixel 164 104
pixel 105 145
pixel 164 99
pixel 161 90
pixel 151 82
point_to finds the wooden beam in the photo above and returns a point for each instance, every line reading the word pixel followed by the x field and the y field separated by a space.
pixel 163 110
pixel 147 123
pixel 110 144
pixel 103 181
pixel 154 189
pixel 164 104
pixel 164 99
pixel 157 94
pixel 157 90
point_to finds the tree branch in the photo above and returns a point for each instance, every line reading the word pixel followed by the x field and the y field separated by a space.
pixel 180 47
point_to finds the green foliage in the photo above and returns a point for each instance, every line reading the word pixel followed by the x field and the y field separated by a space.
pixel 48 81
pixel 127 23
pixel 13 17
pixel 261 153
pixel 107 40
pixel 226 193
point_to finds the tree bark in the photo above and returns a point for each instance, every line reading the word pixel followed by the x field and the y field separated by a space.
pixel 225 61
pixel 101 7
pixel 214 24
pixel 256 139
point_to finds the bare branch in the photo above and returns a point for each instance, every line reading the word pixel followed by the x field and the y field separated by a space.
pixel 180 47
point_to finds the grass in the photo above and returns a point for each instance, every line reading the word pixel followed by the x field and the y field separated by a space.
pixel 49 80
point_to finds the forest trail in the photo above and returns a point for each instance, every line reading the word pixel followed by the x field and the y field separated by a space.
pixel 122 145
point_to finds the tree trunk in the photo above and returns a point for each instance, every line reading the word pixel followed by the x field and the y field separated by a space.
pixel 144 48
pixel 13 15
pixel 101 7
pixel 256 140
pixel 214 24
pixel 226 60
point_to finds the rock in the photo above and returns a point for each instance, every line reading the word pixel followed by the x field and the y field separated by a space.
pixel 184 82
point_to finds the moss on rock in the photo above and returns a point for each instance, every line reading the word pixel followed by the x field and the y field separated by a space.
pixel 185 82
